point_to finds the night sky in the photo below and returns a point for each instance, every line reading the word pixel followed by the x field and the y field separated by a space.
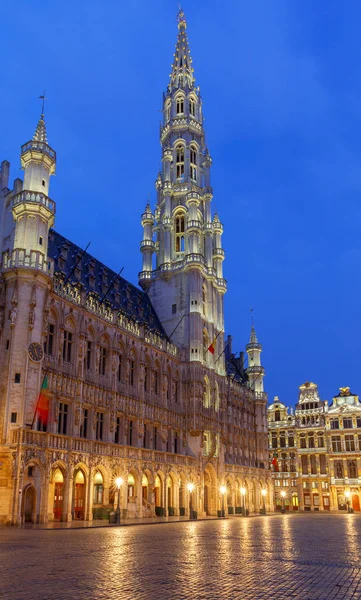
pixel 281 88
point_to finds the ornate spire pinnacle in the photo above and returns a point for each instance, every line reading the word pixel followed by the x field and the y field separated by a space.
pixel 253 337
pixel 40 132
pixel 182 70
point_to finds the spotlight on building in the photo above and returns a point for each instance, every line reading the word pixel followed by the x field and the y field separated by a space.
pixel 283 496
pixel 348 496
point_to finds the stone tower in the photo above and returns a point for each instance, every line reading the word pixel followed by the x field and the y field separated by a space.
pixel 26 281
pixel 255 371
pixel 186 284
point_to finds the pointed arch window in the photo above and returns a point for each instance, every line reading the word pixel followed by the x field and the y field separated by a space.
pixel 180 161
pixel 192 107
pixel 179 233
pixel 167 112
pixel 180 105
pixel 206 393
pixel 193 163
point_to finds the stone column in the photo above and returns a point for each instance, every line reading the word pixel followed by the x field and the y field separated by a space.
pixel 68 499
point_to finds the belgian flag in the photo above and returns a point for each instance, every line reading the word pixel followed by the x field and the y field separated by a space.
pixel 42 406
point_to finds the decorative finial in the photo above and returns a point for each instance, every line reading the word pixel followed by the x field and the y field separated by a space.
pixel 43 98
pixel 181 18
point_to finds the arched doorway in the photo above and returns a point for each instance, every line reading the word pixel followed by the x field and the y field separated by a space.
pixel 209 491
pixel 355 502
pixel 29 504
pixel 79 495
pixel 157 492
pixel 58 480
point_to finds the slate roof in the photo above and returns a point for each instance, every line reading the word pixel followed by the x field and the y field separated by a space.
pixel 235 366
pixel 79 267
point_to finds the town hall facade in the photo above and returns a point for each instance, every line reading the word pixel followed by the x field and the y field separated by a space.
pixel 138 383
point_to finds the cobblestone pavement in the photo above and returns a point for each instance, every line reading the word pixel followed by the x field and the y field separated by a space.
pixel 279 557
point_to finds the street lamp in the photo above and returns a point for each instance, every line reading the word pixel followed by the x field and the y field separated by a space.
pixel 347 496
pixel 118 482
pixel 223 490
pixel 190 488
pixel 243 493
pixel 283 496
pixel 264 493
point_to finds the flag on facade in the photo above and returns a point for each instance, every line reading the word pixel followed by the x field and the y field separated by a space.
pixel 212 347
pixel 275 462
pixel 42 406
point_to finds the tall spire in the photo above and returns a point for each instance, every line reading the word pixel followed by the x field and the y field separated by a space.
pixel 182 70
pixel 40 132
pixel 253 337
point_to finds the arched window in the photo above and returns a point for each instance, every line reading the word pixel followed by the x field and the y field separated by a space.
pixel 180 105
pixel 206 393
pixel 204 299
pixel 180 161
pixel 277 415
pixel 179 233
pixel 205 340
pixel 193 163
pixel 131 380
pixel 167 112
pixel 216 399
pixel 98 488
pixel 192 107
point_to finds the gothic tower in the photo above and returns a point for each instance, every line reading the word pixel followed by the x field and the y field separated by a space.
pixel 26 283
pixel 255 371
pixel 186 284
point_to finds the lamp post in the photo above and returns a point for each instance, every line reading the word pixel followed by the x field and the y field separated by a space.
pixel 223 490
pixel 347 496
pixel 283 496
pixel 264 493
pixel 118 483
pixel 243 494
pixel 190 488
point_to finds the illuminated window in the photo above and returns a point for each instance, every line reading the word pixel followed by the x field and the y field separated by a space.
pixel 180 162
pixel 180 105
pixel 192 107
pixel 193 163
pixel 179 233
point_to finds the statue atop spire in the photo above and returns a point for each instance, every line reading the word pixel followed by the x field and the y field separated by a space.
pixel 182 23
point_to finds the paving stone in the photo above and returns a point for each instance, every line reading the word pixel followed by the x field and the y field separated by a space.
pixel 283 557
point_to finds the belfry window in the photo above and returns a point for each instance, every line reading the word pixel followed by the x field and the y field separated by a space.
pixel 180 105
pixel 193 163
pixel 180 161
pixel 179 233
pixel 192 107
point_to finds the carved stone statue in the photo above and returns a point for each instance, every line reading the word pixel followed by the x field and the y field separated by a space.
pixel 13 315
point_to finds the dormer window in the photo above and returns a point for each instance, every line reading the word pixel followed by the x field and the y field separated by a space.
pixel 180 161
pixel 180 105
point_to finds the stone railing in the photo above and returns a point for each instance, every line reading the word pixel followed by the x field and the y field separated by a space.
pixel 53 441
pixel 39 146
pixel 32 260
pixel 35 198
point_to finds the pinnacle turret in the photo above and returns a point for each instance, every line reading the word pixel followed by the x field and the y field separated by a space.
pixel 40 132
pixel 182 70
pixel 253 336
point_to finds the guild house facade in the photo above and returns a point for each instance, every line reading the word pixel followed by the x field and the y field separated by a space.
pixel 315 451
pixel 103 380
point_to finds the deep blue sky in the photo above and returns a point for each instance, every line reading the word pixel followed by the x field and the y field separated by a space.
pixel 281 88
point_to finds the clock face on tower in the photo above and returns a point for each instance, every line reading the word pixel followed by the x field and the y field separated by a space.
pixel 35 351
